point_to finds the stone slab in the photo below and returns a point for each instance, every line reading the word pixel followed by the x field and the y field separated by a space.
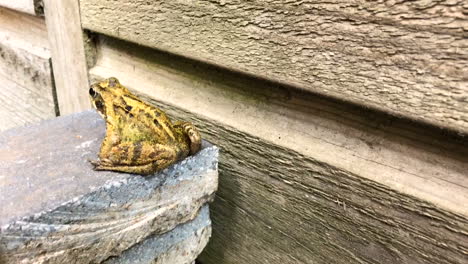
pixel 178 246
pixel 55 208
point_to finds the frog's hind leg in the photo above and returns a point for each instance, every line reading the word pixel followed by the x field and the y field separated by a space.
pixel 149 160
pixel 192 132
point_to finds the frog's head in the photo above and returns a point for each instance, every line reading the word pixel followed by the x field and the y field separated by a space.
pixel 105 93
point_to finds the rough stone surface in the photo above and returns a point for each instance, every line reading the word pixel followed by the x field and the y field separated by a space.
pixel 56 209
pixel 172 247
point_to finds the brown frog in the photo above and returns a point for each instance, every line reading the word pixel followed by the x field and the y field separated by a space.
pixel 140 138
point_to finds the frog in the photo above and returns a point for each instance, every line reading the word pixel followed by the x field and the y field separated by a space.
pixel 140 138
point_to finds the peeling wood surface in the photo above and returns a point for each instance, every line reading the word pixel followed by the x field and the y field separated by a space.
pixel 33 7
pixel 68 59
pixel 408 58
pixel 304 179
pixel 27 92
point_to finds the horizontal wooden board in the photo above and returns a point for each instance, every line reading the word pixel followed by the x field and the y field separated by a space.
pixel 19 105
pixel 407 58
pixel 304 179
pixel 27 91
pixel 25 32
pixel 33 7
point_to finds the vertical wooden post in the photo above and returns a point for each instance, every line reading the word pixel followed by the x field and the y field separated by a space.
pixel 68 57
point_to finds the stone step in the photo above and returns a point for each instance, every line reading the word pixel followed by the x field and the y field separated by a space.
pixel 56 209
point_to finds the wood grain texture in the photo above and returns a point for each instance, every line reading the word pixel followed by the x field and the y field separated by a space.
pixel 68 59
pixel 24 31
pixel 379 148
pixel 33 7
pixel 408 58
pixel 275 205
pixel 27 91
pixel 304 179
pixel 22 105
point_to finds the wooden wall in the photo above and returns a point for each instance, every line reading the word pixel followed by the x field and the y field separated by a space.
pixel 43 69
pixel 342 125
pixel 304 179
pixel 27 90
pixel 32 7
pixel 407 58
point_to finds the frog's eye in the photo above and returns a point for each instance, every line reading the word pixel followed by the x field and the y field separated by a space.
pixel 92 92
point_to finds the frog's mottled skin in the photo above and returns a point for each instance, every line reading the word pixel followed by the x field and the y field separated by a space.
pixel 140 138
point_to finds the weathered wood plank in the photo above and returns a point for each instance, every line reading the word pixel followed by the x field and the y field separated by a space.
pixel 53 213
pixel 68 59
pixel 25 31
pixel 33 7
pixel 407 58
pixel 308 180
pixel 354 140
pixel 19 105
pixel 27 91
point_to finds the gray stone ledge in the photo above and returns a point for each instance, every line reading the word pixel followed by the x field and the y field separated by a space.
pixel 178 246
pixel 56 209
